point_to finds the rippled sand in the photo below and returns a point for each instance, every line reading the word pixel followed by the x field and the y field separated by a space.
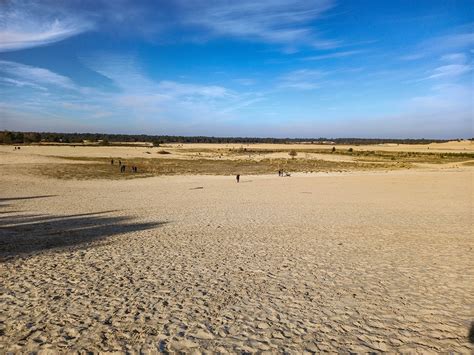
pixel 355 262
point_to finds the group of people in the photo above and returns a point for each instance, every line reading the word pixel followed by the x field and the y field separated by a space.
pixel 280 173
pixel 123 167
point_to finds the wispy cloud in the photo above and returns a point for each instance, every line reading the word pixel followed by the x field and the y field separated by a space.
pixel 441 44
pixel 454 58
pixel 26 75
pixel 302 79
pixel 168 99
pixel 126 73
pixel 334 55
pixel 177 89
pixel 281 22
pixel 456 66
pixel 291 24
pixel 414 56
pixel 449 71
pixel 452 42
pixel 242 104
pixel 25 25
pixel 443 97
pixel 21 83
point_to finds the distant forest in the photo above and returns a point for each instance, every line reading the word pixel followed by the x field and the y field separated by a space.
pixel 9 137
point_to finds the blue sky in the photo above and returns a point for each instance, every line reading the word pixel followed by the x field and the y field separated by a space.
pixel 304 68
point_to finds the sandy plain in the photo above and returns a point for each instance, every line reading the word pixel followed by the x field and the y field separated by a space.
pixel 361 261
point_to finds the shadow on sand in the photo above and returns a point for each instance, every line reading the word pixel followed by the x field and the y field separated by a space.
pixel 24 198
pixel 28 234
pixel 470 336
pixel 4 200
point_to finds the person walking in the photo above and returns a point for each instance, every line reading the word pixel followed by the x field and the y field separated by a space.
pixel 237 177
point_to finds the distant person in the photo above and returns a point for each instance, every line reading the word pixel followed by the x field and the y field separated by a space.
pixel 122 168
pixel 111 162
pixel 120 163
pixel 237 178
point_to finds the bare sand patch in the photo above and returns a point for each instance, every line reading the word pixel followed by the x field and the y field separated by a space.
pixel 94 162
pixel 358 262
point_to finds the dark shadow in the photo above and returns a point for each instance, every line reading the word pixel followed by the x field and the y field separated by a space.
pixel 25 198
pixel 22 235
pixel 5 212
pixel 471 333
pixel 39 217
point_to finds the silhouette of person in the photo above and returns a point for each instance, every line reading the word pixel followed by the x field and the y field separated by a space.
pixel 237 177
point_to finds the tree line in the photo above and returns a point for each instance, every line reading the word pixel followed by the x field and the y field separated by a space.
pixel 10 137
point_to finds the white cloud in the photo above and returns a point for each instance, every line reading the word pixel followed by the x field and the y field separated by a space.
pixel 302 79
pixel 333 55
pixel 443 96
pixel 454 58
pixel 21 83
pixel 242 104
pixel 126 73
pixel 450 71
pixel 21 74
pixel 456 66
pixel 143 96
pixel 442 44
pixel 450 42
pixel 177 89
pixel 280 21
pixel 410 57
pixel 25 25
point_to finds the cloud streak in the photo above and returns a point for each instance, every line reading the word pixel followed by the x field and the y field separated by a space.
pixel 333 55
pixel 450 71
pixel 26 25
pixel 281 22
pixel 302 79
pixel 26 75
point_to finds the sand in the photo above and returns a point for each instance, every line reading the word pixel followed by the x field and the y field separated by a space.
pixel 186 150
pixel 362 262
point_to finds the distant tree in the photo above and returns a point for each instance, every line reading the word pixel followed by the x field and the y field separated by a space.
pixel 333 149
pixel 293 153
pixel 156 143
pixel 350 150
pixel 104 141
pixel 8 137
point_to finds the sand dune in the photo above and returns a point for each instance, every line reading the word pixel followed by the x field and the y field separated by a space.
pixel 357 262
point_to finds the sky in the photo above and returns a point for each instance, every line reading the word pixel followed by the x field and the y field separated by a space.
pixel 268 68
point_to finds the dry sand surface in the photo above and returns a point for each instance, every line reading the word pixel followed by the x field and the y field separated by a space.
pixel 358 262
pixel 452 146
pixel 182 150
